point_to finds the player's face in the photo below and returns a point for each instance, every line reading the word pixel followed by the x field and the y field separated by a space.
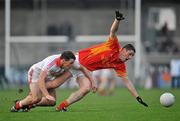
pixel 67 64
pixel 126 55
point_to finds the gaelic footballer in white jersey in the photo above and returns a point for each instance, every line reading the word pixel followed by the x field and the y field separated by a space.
pixel 52 66
pixel 49 69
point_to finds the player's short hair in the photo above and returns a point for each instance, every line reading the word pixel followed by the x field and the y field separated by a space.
pixel 130 47
pixel 68 55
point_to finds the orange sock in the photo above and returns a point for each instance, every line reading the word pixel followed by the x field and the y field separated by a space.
pixel 18 105
pixel 101 92
pixel 63 105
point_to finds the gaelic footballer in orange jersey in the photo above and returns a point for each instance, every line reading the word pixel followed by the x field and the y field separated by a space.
pixel 105 55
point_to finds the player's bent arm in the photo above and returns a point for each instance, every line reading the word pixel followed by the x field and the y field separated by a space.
pixel 88 75
pixel 41 83
pixel 58 81
pixel 130 86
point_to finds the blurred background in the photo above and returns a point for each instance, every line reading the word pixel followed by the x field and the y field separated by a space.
pixel 31 30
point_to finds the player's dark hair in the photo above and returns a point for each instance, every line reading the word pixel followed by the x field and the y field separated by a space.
pixel 130 47
pixel 67 55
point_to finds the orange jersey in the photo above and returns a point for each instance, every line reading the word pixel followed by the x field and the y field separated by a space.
pixel 105 55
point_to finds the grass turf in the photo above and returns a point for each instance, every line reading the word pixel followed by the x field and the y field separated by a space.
pixel 119 107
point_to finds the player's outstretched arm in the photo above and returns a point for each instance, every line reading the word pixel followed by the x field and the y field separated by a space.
pixel 115 25
pixel 133 91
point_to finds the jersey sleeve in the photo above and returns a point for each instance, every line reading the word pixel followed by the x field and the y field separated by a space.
pixel 121 70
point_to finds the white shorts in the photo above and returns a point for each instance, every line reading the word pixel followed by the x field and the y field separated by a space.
pixel 77 73
pixel 33 75
pixel 107 73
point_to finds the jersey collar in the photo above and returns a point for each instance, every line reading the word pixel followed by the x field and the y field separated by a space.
pixel 58 62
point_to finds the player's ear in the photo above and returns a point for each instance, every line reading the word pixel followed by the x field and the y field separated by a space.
pixel 123 49
pixel 62 60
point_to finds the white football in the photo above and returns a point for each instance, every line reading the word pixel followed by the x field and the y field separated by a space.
pixel 167 99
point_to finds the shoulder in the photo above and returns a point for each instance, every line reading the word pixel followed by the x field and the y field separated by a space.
pixel 76 64
pixel 121 71
pixel 113 38
pixel 120 67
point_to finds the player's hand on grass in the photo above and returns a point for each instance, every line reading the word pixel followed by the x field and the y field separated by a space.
pixel 51 98
pixel 139 99
pixel 119 16
pixel 93 87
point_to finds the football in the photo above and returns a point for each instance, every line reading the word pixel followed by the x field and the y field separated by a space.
pixel 167 99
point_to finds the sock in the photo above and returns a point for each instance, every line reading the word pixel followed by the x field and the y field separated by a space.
pixel 101 92
pixel 63 105
pixel 111 91
pixel 18 105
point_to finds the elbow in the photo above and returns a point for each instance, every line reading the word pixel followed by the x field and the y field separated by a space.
pixel 113 30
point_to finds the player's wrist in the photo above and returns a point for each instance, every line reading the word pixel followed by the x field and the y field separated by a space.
pixel 138 99
pixel 117 19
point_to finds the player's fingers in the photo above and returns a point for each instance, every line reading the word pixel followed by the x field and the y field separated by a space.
pixel 117 12
pixel 94 89
pixel 49 97
pixel 145 104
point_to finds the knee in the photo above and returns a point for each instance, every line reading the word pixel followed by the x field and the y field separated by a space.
pixel 86 89
pixel 52 103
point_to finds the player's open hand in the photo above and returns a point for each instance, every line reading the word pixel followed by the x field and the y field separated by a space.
pixel 139 99
pixel 119 16
pixel 51 98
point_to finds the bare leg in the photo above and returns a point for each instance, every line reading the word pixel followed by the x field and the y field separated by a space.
pixel 45 102
pixel 111 86
pixel 102 84
pixel 34 97
pixel 27 100
pixel 84 88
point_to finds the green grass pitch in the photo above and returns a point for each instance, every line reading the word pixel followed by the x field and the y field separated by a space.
pixel 119 107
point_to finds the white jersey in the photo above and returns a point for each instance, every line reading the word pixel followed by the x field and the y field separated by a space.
pixel 106 73
pixel 51 65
